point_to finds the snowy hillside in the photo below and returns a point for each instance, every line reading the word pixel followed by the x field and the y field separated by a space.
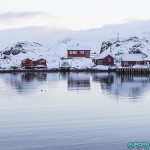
pixel 53 45
pixel 129 45
pixel 12 56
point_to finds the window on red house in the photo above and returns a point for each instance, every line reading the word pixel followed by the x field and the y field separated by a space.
pixel 125 63
pixel 73 52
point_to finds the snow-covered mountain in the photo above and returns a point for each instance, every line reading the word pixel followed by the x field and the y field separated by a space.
pixel 13 55
pixel 51 43
pixel 129 45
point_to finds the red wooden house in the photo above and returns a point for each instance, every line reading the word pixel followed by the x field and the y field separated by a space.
pixel 40 63
pixel 79 51
pixel 131 60
pixel 104 59
pixel 28 63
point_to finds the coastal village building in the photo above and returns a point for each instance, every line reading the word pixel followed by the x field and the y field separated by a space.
pixel 104 59
pixel 40 63
pixel 146 61
pixel 131 60
pixel 79 51
pixel 28 63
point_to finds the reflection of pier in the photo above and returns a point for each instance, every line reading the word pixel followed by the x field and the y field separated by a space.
pixel 130 70
pixel 79 81
pixel 130 86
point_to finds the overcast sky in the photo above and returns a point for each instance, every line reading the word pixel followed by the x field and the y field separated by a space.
pixel 72 14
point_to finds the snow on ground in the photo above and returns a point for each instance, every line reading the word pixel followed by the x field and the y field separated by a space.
pixel 132 45
pixel 14 54
pixel 101 68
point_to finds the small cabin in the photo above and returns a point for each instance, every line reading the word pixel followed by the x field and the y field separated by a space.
pixel 79 51
pixel 131 60
pixel 40 63
pixel 104 59
pixel 27 63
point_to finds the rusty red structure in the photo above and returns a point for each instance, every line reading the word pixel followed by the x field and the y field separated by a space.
pixel 79 51
pixel 131 60
pixel 106 59
pixel 30 64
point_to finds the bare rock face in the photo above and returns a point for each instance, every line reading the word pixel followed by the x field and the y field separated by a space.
pixel 105 46
pixel 132 45
pixel 20 47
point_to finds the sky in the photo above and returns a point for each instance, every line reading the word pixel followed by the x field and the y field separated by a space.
pixel 71 14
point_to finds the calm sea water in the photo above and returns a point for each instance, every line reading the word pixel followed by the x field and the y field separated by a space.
pixel 76 111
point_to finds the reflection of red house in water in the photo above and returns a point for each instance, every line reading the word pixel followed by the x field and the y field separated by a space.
pixel 28 63
pixel 104 79
pixel 78 82
pixel 28 77
pixel 79 51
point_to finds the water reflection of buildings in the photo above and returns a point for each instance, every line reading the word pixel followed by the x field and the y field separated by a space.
pixel 105 79
pixel 28 77
pixel 126 86
pixel 79 81
pixel 25 82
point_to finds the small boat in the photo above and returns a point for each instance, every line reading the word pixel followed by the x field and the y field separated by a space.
pixel 65 67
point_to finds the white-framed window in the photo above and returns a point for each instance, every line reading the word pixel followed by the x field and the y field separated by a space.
pixel 81 52
pixel 138 63
pixel 109 59
pixel 73 52
pixel 125 63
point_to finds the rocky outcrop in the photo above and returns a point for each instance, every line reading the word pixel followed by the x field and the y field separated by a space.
pixel 20 47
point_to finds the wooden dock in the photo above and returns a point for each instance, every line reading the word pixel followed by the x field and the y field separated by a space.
pixel 133 70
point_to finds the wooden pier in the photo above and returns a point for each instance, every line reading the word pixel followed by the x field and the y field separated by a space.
pixel 133 70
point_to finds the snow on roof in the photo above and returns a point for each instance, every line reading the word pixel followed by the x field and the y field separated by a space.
pixel 102 56
pixel 132 57
pixel 33 59
pixel 147 59
pixel 77 48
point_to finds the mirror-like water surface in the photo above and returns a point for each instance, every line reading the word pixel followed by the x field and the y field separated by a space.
pixel 76 111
